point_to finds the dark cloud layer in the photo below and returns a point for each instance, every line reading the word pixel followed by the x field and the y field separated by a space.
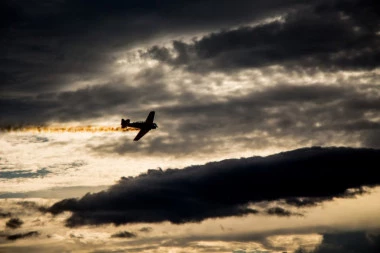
pixel 352 242
pixel 291 103
pixel 86 103
pixel 314 113
pixel 334 35
pixel 48 45
pixel 226 188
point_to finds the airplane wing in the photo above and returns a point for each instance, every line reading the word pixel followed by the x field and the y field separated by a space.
pixel 141 134
pixel 150 117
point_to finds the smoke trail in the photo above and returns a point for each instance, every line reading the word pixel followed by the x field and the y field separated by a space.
pixel 66 129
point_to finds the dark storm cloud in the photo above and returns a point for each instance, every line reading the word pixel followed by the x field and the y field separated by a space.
pixel 226 188
pixel 86 103
pixel 353 242
pixel 303 113
pixel 47 45
pixel 338 35
pixel 14 223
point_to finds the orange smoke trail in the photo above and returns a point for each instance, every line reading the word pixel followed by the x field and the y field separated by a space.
pixel 66 129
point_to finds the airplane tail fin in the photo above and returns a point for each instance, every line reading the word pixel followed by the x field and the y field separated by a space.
pixel 124 123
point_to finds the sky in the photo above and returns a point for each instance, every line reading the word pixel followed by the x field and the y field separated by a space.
pixel 268 117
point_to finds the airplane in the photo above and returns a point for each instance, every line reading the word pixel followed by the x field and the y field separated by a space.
pixel 144 126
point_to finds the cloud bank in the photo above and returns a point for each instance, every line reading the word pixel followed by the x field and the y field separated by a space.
pixel 353 242
pixel 329 36
pixel 227 188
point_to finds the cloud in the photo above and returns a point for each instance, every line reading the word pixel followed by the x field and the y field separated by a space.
pixel 4 214
pixel 24 173
pixel 146 229
pixel 54 192
pixel 373 139
pixel 225 188
pixel 90 102
pixel 22 235
pixel 123 234
pixel 297 40
pixel 29 205
pixel 328 36
pixel 14 223
pixel 305 202
pixel 46 49
pixel 279 211
pixel 353 242
pixel 305 114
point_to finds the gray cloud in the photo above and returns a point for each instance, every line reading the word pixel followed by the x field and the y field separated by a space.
pixel 225 188
pixel 313 33
pixel 373 139
pixel 86 103
pixel 24 173
pixel 332 36
pixel 47 46
pixel 321 114
pixel 353 242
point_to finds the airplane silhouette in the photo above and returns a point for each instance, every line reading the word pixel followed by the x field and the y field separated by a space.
pixel 144 126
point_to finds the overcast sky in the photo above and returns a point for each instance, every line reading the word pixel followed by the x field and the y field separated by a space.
pixel 268 117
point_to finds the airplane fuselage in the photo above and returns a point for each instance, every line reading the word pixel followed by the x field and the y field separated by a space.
pixel 142 125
